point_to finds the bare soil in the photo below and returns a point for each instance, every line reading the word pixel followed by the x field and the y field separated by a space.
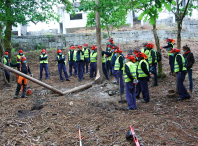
pixel 103 121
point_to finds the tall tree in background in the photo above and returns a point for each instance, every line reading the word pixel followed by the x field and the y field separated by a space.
pixel 112 13
pixel 24 11
pixel 181 9
pixel 150 11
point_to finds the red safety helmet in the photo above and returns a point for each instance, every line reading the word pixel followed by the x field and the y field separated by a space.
pixel 20 51
pixel 140 55
pixel 136 51
pixel 79 46
pixel 59 51
pixel 111 40
pixel 22 59
pixel 170 40
pixel 72 47
pixel 93 47
pixel 43 50
pixel 118 50
pixel 150 46
pixel 174 50
pixel 29 91
pixel 131 57
pixel 6 53
pixel 108 46
pixel 86 44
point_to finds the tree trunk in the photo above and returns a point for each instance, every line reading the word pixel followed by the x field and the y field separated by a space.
pixel 157 43
pixel 99 50
pixel 179 28
pixel 1 41
pixel 7 41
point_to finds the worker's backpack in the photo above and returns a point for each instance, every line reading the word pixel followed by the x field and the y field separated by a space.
pixel 159 56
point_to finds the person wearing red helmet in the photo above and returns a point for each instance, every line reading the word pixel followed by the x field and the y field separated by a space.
pixel 44 64
pixel 21 81
pixel 130 77
pixel 61 65
pixel 113 59
pixel 119 65
pixel 143 77
pixel 180 70
pixel 72 60
pixel 111 41
pixel 87 57
pixel 93 61
pixel 145 49
pixel 80 62
pixel 6 61
pixel 169 47
pixel 152 60
pixel 18 59
pixel 110 49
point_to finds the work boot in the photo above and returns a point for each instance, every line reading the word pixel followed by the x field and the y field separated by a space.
pixel 61 80
pixel 15 96
pixel 180 99
pixel 153 85
pixel 24 96
pixel 143 101
pixel 67 79
pixel 39 79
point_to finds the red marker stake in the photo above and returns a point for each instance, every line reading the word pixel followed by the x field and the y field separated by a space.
pixel 134 136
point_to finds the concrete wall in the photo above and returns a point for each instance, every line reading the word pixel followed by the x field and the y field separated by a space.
pixel 65 40
pixel 191 26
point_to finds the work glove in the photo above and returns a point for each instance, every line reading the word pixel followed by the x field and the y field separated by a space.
pixel 31 75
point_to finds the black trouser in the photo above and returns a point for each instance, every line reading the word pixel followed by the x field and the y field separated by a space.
pixel 19 88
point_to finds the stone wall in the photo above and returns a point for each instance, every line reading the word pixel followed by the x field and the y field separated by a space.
pixel 53 41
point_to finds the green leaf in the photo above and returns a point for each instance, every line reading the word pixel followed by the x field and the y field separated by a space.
pixel 152 20
pixel 167 6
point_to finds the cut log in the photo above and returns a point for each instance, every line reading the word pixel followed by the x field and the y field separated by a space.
pixel 44 84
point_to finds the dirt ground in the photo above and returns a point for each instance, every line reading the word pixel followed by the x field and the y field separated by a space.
pixel 103 121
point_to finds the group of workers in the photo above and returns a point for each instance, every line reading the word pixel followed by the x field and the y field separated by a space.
pixel 136 68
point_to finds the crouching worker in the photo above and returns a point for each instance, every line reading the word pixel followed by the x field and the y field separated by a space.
pixel 130 78
pixel 143 77
pixel 180 70
pixel 44 64
pixel 6 62
pixel 61 65
pixel 21 81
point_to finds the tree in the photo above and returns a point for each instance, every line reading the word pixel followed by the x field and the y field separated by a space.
pixel 112 14
pixel 150 11
pixel 24 11
pixel 181 9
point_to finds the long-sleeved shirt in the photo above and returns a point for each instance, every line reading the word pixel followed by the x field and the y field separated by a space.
pixel 168 46
pixel 179 61
pixel 78 55
pixel 43 58
pixel 189 57
pixel 61 59
pixel 24 67
pixel 153 57
pixel 128 73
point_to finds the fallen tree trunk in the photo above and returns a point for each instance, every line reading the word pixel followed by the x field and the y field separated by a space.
pixel 44 84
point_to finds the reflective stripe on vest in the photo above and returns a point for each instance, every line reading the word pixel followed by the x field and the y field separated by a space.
pixel 4 61
pixel 86 53
pixel 74 56
pixel 110 57
pixel 93 57
pixel 145 51
pixel 150 57
pixel 19 57
pixel 62 57
pixel 117 64
pixel 132 68
pixel 140 71
pixel 103 59
pixel 169 50
pixel 176 65
pixel 44 61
